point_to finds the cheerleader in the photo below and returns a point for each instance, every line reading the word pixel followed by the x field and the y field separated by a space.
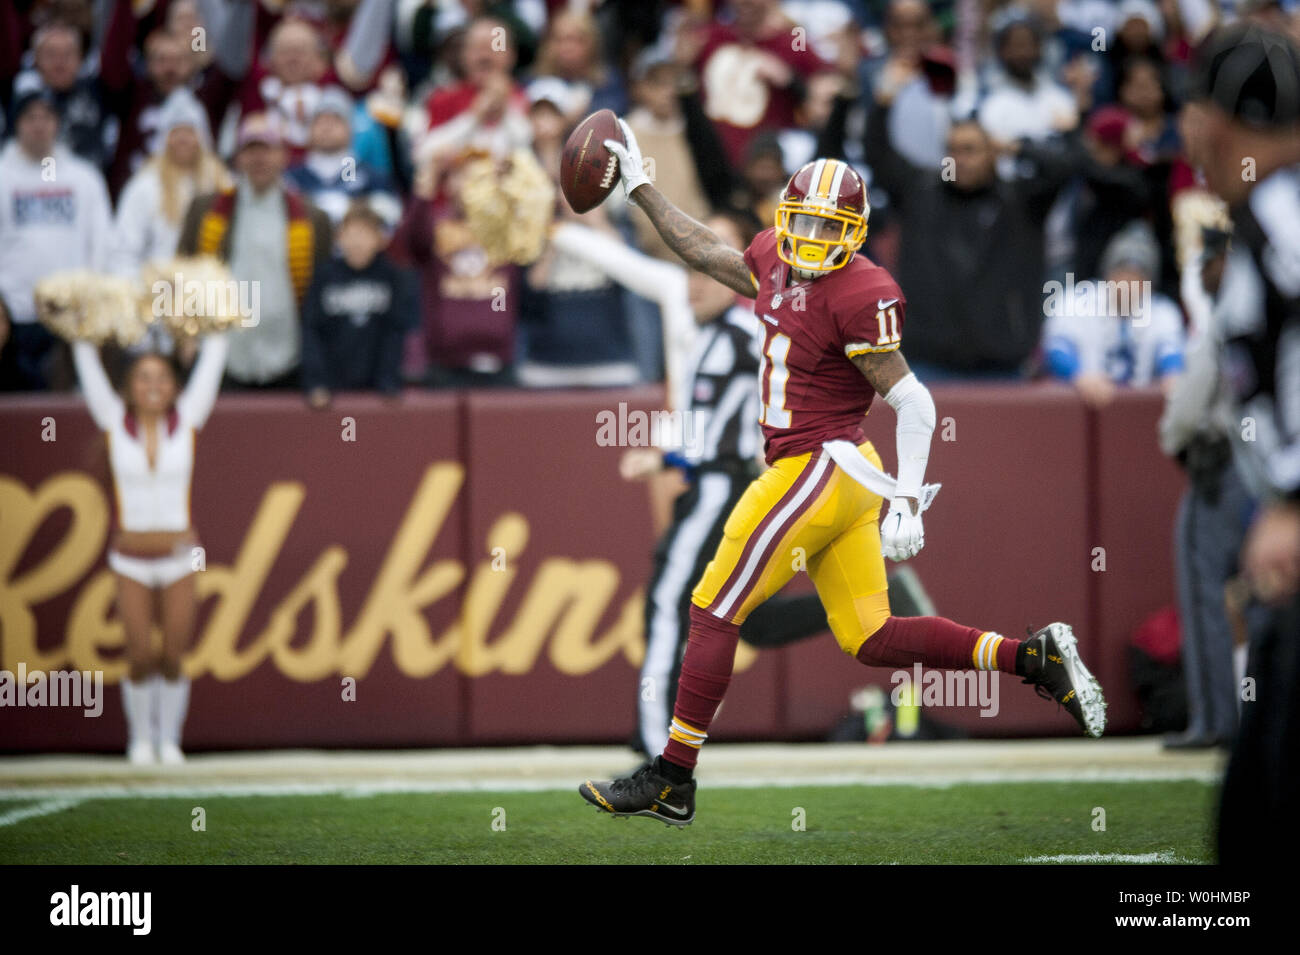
pixel 151 429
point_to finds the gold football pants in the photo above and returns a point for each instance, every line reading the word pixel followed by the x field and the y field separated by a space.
pixel 803 513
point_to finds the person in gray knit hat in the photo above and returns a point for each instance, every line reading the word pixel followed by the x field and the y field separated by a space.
pixel 1114 331
pixel 330 174
pixel 1134 248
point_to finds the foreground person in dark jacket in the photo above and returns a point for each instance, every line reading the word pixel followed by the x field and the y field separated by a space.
pixel 1247 82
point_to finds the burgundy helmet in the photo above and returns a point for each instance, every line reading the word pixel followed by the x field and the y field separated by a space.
pixel 821 219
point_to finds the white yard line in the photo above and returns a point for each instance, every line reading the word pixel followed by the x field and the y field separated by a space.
pixel 508 784
pixel 553 768
pixel 1144 858
pixel 48 806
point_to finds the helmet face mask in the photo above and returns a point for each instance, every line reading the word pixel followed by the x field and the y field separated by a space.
pixel 821 219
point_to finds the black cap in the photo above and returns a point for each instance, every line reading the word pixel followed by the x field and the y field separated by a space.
pixel 33 94
pixel 1252 73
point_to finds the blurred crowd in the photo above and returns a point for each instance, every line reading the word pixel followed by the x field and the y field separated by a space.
pixel 317 147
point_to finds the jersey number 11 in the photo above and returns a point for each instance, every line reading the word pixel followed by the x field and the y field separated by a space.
pixel 772 376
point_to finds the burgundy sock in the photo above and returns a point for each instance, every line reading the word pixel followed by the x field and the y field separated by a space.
pixel 705 675
pixel 933 642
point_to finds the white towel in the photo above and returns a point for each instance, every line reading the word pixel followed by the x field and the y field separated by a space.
pixel 848 457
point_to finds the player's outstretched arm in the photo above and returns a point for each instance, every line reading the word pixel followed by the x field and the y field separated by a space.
pixel 696 244
pixel 901 532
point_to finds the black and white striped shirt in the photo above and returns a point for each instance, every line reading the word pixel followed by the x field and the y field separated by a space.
pixel 1258 308
pixel 723 430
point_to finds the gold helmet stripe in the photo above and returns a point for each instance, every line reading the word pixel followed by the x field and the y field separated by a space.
pixel 823 177
pixel 833 193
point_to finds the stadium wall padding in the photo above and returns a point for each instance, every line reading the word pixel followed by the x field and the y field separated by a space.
pixel 466 568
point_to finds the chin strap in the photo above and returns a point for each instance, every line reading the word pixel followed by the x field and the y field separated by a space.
pixel 808 276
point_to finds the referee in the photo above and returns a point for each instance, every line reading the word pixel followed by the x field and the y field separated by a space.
pixel 1247 131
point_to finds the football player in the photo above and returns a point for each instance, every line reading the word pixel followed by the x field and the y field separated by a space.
pixel 832 322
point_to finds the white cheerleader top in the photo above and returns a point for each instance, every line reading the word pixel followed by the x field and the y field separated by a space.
pixel 153 498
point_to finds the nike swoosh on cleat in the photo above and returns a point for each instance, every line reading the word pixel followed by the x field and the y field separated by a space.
pixel 673 809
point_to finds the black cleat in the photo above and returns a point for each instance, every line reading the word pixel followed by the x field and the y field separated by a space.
pixel 644 793
pixel 1055 671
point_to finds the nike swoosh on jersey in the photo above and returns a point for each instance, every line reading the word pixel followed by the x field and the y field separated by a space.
pixel 770 320
pixel 886 302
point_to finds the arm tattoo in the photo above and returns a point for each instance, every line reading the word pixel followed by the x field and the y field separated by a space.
pixel 883 369
pixel 697 246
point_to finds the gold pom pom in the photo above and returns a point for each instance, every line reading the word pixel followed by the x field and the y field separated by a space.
pixel 86 306
pixel 509 207
pixel 194 296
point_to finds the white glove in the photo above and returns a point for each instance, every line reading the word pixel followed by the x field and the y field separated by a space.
pixel 901 533
pixel 630 166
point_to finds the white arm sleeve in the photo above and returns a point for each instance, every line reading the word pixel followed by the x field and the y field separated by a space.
pixel 662 282
pixel 196 401
pixel 914 407
pixel 104 404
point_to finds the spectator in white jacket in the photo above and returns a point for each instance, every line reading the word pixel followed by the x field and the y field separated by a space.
pixel 1115 331
pixel 54 215
pixel 153 203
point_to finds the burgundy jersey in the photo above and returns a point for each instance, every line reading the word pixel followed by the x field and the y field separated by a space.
pixel 810 389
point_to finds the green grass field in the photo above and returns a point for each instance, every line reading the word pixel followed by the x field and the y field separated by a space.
pixel 965 823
